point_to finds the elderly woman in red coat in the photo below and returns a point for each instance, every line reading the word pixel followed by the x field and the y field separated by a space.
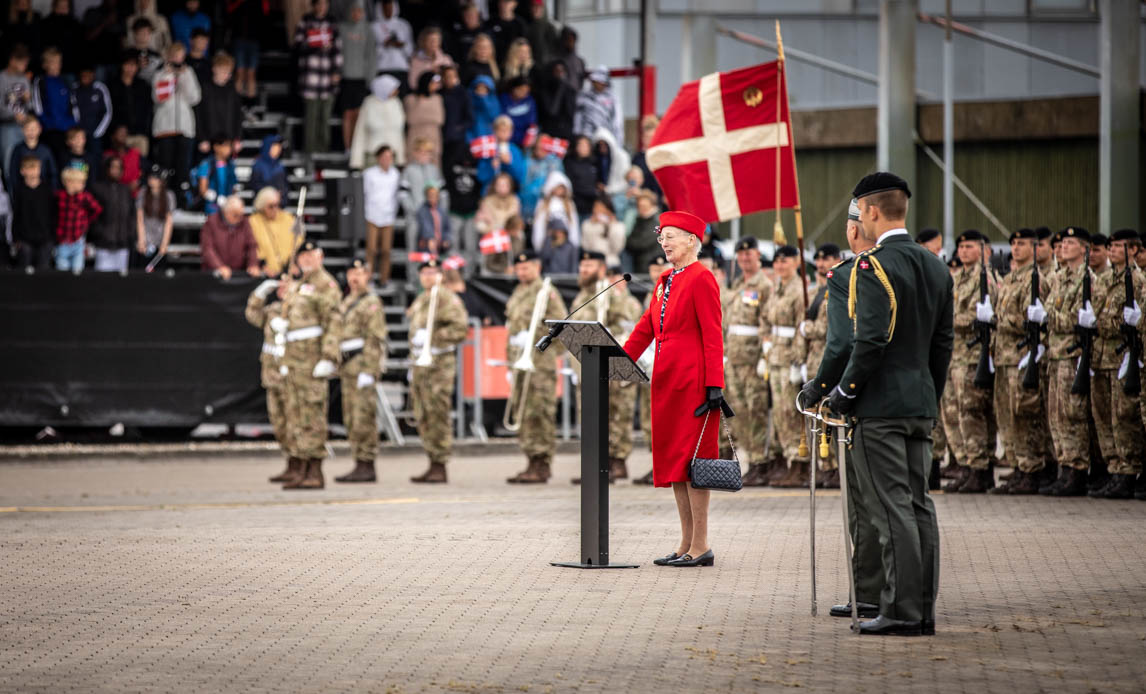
pixel 684 318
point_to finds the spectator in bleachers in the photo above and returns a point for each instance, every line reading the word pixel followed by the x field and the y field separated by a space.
pixel 613 165
pixel 458 109
pixel 140 44
pixel 77 154
pixel 198 56
pixel 245 19
pixel 642 246
pixel 460 169
pixel 15 103
pixel 597 107
pixel 434 232
pixel 219 112
pixel 131 104
pixel 186 19
pixel 484 105
pixel 508 157
pixel 556 102
pixel 33 215
pixel 114 230
pixel 518 104
pixel 103 34
pixel 498 263
pixel 465 30
pixel 581 168
pixel 648 126
pixel 130 158
pixel 429 57
pixel 76 210
pixel 160 36
pixel 53 101
pixel 226 244
pixel 604 232
pixel 274 231
pixel 519 63
pixel 61 31
pixel 395 41
pixel 175 91
pixel 537 170
pixel 425 115
pixel 319 71
pixel 382 121
pixel 505 27
pixel 31 146
pixel 481 62
pixel 557 253
pixel 359 58
pixel 24 22
pixel 215 177
pixel 380 185
pixel 154 217
pixel 574 66
pixel 541 33
pixel 420 172
pixel 557 204
pixel 268 170
pixel 635 182
pixel 498 205
pixel 93 107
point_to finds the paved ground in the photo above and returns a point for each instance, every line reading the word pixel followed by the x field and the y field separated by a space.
pixel 196 575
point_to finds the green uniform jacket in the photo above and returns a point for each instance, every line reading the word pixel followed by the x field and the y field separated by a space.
pixel 259 313
pixel 313 301
pixel 840 338
pixel 364 319
pixel 519 314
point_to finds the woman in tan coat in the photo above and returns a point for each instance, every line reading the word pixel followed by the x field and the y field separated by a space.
pixel 425 115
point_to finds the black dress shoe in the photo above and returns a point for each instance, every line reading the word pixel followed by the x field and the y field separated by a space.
pixel 927 626
pixel 884 626
pixel 866 610
pixel 663 561
pixel 706 559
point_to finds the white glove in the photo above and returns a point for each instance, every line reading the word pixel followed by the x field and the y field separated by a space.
pixel 803 328
pixel 266 287
pixel 766 347
pixel 210 195
pixel 365 380
pixel 323 369
pixel 1086 317
pixel 803 373
pixel 1132 316
pixel 1037 313
pixel 419 338
pixel 983 311
pixel 761 368
pixel 794 374
pixel 279 324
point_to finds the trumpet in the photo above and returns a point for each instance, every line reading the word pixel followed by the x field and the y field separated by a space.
pixel 515 407
pixel 426 358
pixel 603 305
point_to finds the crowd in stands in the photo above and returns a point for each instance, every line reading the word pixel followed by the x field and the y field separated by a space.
pixel 479 115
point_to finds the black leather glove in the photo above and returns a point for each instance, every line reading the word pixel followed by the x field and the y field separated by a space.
pixel 810 394
pixel 715 399
pixel 841 403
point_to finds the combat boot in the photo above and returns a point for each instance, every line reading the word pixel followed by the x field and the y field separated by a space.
pixel 934 480
pixel 1140 487
pixel 777 472
pixel 529 471
pixel 436 474
pixel 536 473
pixel 752 476
pixel 292 473
pixel 797 476
pixel 312 479
pixel 953 471
pixel 1099 493
pixel 832 479
pixel 1120 487
pixel 963 472
pixel 618 470
pixel 363 472
pixel 647 479
pixel 977 482
pixel 1073 483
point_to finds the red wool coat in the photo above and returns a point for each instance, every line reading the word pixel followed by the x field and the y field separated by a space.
pixel 689 359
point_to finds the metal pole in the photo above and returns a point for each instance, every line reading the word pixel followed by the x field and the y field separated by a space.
pixel 811 429
pixel 895 119
pixel 1118 123
pixel 841 460
pixel 648 17
pixel 948 135
pixel 1012 45
pixel 960 184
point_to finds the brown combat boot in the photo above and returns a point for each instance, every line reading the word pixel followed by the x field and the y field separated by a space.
pixel 436 474
pixel 962 473
pixel 618 470
pixel 529 471
pixel 312 479
pixel 777 472
pixel 292 473
pixel 832 479
pixel 798 475
pixel 647 479
pixel 363 472
pixel 977 482
pixel 953 471
pixel 755 475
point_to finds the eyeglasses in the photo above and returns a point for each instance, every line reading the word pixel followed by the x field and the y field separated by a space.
pixel 663 237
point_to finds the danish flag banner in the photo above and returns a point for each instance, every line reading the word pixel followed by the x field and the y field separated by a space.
pixel 714 152
pixel 496 241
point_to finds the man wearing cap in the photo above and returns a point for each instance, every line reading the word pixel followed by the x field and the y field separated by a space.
pixel 1070 412
pixel 622 394
pixel 940 438
pixel 1104 368
pixel 363 349
pixel 656 268
pixel 1044 252
pixel 1048 270
pixel 432 387
pixel 784 348
pixel 597 107
pixel 537 405
pixel 263 306
pixel 901 300
pixel 312 333
pixel 1021 412
pixel 814 330
pixel 932 240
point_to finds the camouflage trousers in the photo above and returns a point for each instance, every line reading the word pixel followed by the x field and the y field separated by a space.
pixel 360 417
pixel 1069 415
pixel 277 413
pixel 622 403
pixel 538 434
pixel 974 414
pixel 939 437
pixel 1021 414
pixel 747 395
pixel 1120 437
pixel 307 399
pixel 788 423
pixel 432 395
pixel 949 415
pixel 646 394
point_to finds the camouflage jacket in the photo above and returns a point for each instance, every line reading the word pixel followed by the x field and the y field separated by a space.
pixel 815 328
pixel 781 324
pixel 519 313
pixel 364 335
pixel 1110 316
pixel 746 309
pixel 450 323
pixel 610 306
pixel 1062 311
pixel 966 296
pixel 311 306
pixel 1014 296
pixel 259 313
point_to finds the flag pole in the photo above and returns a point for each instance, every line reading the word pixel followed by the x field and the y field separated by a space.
pixel 778 238
pixel 795 174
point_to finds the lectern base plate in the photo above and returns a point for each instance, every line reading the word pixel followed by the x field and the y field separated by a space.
pixel 578 565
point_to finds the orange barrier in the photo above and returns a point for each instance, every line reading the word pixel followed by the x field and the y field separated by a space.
pixel 494 384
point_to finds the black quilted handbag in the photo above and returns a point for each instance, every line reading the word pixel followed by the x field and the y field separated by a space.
pixel 716 474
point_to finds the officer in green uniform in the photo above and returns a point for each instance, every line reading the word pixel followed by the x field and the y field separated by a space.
pixel 263 305
pixel 363 348
pixel 644 390
pixel 902 300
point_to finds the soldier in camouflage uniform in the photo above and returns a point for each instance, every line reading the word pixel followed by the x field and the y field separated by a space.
pixel 1104 368
pixel 933 241
pixel 313 330
pixel 656 269
pixel 785 350
pixel 432 387
pixel 262 306
pixel 1069 412
pixel 363 350
pixel 746 389
pixel 814 330
pixel 622 394
pixel 538 410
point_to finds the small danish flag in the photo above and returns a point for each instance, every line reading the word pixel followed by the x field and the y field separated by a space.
pixel 496 241
pixel 484 147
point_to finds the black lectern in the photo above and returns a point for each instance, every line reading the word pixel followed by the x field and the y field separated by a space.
pixel 602 360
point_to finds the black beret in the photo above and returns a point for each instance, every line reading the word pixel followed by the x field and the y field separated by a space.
pixel 1043 232
pixel 358 264
pixel 1075 233
pixel 765 262
pixel 705 253
pixel 615 270
pixel 955 263
pixel 970 235
pixel 1056 237
pixel 587 254
pixel 827 250
pixel 431 263
pixel 748 243
pixel 659 261
pixel 1024 233
pixel 308 245
pixel 1125 235
pixel 879 182
pixel 525 256
pixel 927 235
pixel 786 252
pixel 1099 240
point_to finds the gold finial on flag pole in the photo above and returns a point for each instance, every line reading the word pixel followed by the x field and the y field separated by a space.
pixel 779 42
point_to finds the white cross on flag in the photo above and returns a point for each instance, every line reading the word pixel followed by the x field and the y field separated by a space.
pixel 496 241
pixel 714 152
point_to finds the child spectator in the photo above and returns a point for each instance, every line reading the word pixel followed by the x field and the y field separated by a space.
pixel 395 41
pixel 359 57
pixel 597 107
pixel 420 172
pixel 226 244
pixel 142 46
pixel 32 147
pixel 604 232
pixel 15 102
pixel 175 91
pixel 459 112
pixel 154 217
pixel 76 210
pixel 215 176
pixel 246 19
pixel 131 161
pixel 430 57
pixel 481 62
pixel 505 28
pixel 556 102
pixel 380 190
pixel 184 20
pixel 93 106
pixel 425 115
pixel 555 205
pixel 160 37
pixel 113 232
pixel 484 105
pixel 519 62
pixel 498 263
pixel 77 154
pixel 464 32
pixel 382 121
pixel 61 31
pixel 508 158
pixel 537 170
pixel 319 71
pixel 498 205
pixel 268 170
pixel 33 215
pixel 581 168
pixel 434 234
pixel 558 255
pixel 220 110
pixel 131 104
pixel 274 231
pixel 518 104
pixel 53 101
pixel 198 58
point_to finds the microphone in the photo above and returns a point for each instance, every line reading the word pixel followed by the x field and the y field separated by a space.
pixel 543 343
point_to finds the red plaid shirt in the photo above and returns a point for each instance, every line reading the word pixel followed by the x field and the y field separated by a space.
pixel 75 214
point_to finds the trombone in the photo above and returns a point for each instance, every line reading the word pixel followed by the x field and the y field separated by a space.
pixel 426 358
pixel 515 407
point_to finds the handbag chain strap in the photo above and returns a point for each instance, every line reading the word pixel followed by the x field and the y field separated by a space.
pixel 724 421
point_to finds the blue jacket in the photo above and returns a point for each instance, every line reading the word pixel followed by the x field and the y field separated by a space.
pixel 426 226
pixel 220 178
pixel 536 171
pixel 488 168
pixel 485 108
pixel 49 172
pixel 182 24
pixel 93 104
pixel 523 114
pixel 54 103
pixel 267 171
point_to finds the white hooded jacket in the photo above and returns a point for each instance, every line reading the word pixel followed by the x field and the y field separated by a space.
pixel 555 209
pixel 382 121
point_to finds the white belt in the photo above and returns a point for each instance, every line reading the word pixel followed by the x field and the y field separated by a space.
pixel 744 330
pixel 273 350
pixel 438 351
pixel 783 331
pixel 353 343
pixel 304 333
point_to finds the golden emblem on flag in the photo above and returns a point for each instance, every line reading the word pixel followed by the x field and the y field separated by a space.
pixel 753 96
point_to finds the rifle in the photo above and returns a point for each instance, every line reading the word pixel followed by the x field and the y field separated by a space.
pixel 1084 338
pixel 1131 342
pixel 984 374
pixel 1034 335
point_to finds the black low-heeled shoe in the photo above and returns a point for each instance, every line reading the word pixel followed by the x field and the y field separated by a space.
pixel 663 561
pixel 706 559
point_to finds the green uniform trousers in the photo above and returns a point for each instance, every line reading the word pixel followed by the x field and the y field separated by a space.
pixel 867 566
pixel 306 401
pixel 432 395
pixel 360 417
